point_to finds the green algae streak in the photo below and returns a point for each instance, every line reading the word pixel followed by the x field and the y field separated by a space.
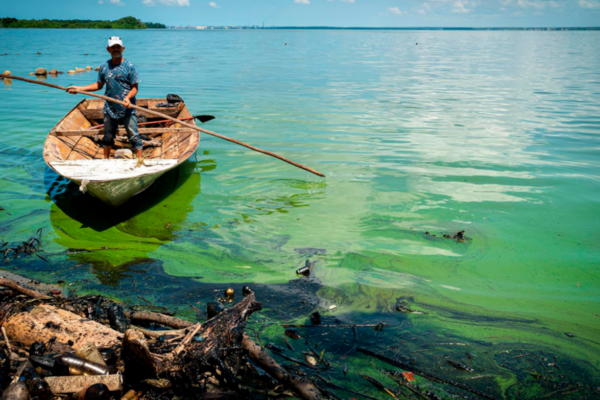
pixel 494 133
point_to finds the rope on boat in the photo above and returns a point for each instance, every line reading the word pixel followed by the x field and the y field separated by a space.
pixel 83 187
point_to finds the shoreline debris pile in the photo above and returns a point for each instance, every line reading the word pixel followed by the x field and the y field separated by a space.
pixel 92 348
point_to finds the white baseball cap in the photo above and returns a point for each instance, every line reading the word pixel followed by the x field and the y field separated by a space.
pixel 114 40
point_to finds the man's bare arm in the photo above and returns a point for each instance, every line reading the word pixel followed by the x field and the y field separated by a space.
pixel 130 95
pixel 92 87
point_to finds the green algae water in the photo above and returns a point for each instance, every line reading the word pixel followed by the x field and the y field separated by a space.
pixel 420 134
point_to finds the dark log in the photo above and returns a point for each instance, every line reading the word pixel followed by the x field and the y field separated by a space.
pixel 304 388
pixel 165 320
pixel 15 286
pixel 135 349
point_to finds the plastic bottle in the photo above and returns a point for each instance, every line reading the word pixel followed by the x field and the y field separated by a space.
pixel 98 391
pixel 91 353
pixel 16 391
pixel 38 387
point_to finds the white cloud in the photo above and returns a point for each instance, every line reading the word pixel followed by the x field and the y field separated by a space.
pixel 302 1
pixel 589 4
pixel 115 2
pixel 213 4
pixel 424 10
pixel 348 1
pixel 181 3
pixel 460 7
pixel 539 5
pixel 395 10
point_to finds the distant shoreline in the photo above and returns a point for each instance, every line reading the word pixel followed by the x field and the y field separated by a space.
pixel 122 23
pixel 596 28
pixel 156 26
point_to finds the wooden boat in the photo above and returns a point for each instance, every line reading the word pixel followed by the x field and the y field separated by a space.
pixel 73 150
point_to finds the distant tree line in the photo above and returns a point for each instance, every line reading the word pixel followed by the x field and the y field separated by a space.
pixel 123 23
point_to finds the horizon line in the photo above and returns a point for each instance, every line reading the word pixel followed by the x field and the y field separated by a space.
pixel 393 28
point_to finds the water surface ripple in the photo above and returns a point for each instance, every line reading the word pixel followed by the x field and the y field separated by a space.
pixel 494 133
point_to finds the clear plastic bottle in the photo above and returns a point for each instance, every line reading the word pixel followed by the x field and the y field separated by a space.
pixel 16 391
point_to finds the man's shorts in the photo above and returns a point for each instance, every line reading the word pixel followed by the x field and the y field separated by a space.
pixel 111 126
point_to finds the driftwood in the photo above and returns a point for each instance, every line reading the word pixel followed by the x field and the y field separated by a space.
pixel 165 320
pixel 44 322
pixel 135 344
pixel 15 286
pixel 195 359
pixel 302 386
pixel 73 384
pixel 167 334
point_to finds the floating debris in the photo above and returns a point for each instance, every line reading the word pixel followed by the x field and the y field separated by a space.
pixel 460 366
pixel 409 376
pixel 310 250
pixel 214 308
pixel 274 348
pixel 292 334
pixel 288 344
pixel 315 318
pixel 26 248
pixel 459 236
pixel 305 271
pixel 312 360
pixel 378 385
pixel 246 291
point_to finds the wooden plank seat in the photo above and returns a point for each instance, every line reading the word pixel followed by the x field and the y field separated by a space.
pixel 92 112
pixel 141 131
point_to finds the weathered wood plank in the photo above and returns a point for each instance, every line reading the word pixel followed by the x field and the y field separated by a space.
pixel 86 146
pixel 122 131
pixel 170 111
pixel 75 120
pixel 55 150
pixel 69 141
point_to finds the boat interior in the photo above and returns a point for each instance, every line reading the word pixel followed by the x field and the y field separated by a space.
pixel 78 135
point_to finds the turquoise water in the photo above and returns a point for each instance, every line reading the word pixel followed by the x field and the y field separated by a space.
pixel 494 133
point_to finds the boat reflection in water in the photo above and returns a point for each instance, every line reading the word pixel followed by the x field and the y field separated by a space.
pixel 117 241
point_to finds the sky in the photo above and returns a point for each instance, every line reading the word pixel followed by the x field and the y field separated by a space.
pixel 339 13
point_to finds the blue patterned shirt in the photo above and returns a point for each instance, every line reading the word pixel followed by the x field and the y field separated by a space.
pixel 118 80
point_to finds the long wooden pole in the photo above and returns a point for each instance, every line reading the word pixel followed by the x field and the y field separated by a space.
pixel 158 114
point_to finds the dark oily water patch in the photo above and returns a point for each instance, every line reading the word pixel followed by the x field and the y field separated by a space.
pixel 442 363
pixel 415 329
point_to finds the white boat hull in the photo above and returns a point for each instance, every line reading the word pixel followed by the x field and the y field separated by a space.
pixel 113 181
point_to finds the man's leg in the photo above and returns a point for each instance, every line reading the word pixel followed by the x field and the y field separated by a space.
pixel 110 131
pixel 130 123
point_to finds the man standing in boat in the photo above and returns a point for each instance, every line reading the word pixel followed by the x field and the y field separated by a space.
pixel 122 80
